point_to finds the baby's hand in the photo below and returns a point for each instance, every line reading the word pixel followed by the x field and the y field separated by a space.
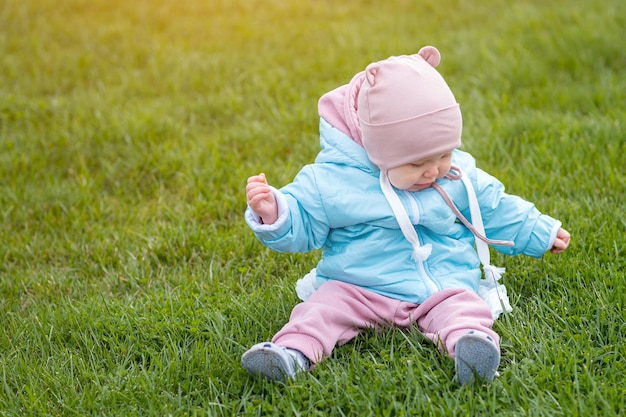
pixel 561 242
pixel 261 199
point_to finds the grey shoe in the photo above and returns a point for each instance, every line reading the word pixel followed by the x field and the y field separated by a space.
pixel 274 362
pixel 476 357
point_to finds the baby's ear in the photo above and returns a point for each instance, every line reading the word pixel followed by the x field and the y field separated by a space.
pixel 430 55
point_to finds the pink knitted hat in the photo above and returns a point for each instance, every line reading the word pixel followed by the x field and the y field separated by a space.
pixel 406 110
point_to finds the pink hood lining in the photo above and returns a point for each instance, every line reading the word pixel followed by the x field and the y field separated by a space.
pixel 339 108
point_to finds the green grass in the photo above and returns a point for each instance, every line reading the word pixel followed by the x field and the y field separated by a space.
pixel 129 283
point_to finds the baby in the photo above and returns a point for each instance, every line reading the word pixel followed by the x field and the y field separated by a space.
pixel 403 218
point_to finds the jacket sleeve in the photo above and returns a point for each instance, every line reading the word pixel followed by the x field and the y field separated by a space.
pixel 509 217
pixel 302 224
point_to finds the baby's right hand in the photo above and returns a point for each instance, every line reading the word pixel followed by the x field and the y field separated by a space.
pixel 261 200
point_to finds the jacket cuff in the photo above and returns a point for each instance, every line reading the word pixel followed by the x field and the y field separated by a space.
pixel 543 236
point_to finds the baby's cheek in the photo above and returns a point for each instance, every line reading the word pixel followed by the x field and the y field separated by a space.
pixel 400 181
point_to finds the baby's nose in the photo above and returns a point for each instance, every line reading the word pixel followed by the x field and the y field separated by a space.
pixel 431 171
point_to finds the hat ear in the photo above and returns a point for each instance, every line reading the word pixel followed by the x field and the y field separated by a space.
pixel 370 73
pixel 430 55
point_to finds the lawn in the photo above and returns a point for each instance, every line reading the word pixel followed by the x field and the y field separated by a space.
pixel 129 282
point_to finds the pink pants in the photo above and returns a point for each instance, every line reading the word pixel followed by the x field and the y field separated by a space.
pixel 337 312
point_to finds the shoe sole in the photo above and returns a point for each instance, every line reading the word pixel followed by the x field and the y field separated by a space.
pixel 476 358
pixel 266 363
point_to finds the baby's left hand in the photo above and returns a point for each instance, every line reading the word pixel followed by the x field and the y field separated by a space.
pixel 561 242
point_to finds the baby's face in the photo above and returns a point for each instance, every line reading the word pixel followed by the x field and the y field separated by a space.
pixel 420 174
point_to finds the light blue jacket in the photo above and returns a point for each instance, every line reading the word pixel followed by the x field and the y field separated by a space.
pixel 336 204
